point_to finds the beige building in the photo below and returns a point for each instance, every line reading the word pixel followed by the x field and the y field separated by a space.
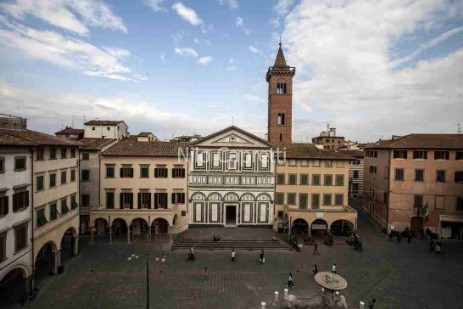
pixel 328 139
pixel 143 188
pixel 312 190
pixel 416 181
pixel 105 129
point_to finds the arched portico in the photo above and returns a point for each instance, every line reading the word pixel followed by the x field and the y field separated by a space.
pixel 342 227
pixel 160 226
pixel 319 227
pixel 14 285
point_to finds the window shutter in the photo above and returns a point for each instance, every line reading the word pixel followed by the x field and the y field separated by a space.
pixel 139 200
pixel 173 198
pixel 131 200
pixel 120 172
pixel 26 199
pixel 149 201
pixel 121 199
pixel 155 201
pixel 131 173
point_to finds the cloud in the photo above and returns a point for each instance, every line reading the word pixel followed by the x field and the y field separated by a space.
pixel 204 60
pixel 232 4
pixel 282 7
pixel 155 5
pixel 254 98
pixel 239 21
pixel 71 15
pixel 187 14
pixel 66 51
pixel 231 68
pixel 196 41
pixel 247 31
pixel 253 50
pixel 274 22
pixel 186 51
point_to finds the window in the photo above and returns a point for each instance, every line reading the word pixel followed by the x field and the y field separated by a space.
pixel 304 179
pixel 355 188
pixel 292 179
pixel 201 158
pixel 372 169
pixel 160 172
pixel 418 201
pixel 459 203
pixel 85 200
pixel 144 171
pixel 419 175
pixel 315 201
pixel 126 200
pixel 328 180
pixel 420 154
pixel 40 154
pixel 280 198
pixel 19 164
pixel 2 246
pixel 126 172
pixel 292 162
pixel 144 200
pixel 280 214
pixel 93 128
pixel 304 162
pixel 85 156
pixel 340 180
pixel 20 235
pixel 64 153
pixel 73 175
pixel 316 163
pixel 178 172
pixel 4 207
pixel 281 118
pixel 339 199
pixel 459 155
pixel 280 179
pixel 39 183
pixel 459 176
pixel 315 180
pixel 291 198
pixel 281 88
pixel 52 180
pixel 399 174
pixel 441 155
pixel 232 161
pixel 74 204
pixel 20 200
pixel 328 163
pixel 326 199
pixel 400 154
pixel 356 162
pixel 64 206
pixel 264 162
pixel 372 154
pixel 385 197
pixel 247 159
pixel 63 177
pixel 73 153
pixel 356 175
pixel 41 219
pixel 53 212
pixel 108 128
pixel 440 176
pixel 178 198
pixel 2 165
pixel 110 171
pixel 52 153
pixel 109 200
pixel 160 200
pixel 303 200
pixel 216 159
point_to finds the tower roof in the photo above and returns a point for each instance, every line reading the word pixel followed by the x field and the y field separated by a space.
pixel 280 61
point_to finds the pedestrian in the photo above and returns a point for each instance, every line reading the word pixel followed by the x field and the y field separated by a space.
pixel 290 280
pixel 315 248
pixel 262 257
pixel 390 236
pixel 399 239
pixel 205 276
pixel 333 268
pixel 315 269
pixel 371 304
pixel 274 238
pixel 191 254
pixel 233 255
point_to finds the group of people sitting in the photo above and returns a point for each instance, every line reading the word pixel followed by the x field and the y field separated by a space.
pixel 356 241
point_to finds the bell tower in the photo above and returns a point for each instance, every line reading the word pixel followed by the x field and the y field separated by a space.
pixel 280 100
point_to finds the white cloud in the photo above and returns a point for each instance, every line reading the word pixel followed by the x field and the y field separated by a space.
pixel 204 60
pixel 274 22
pixel 186 51
pixel 155 5
pixel 233 4
pixel 196 41
pixel 231 60
pixel 187 14
pixel 253 50
pixel 231 68
pixel 239 21
pixel 282 7
pixel 163 57
pixel 253 98
pixel 71 15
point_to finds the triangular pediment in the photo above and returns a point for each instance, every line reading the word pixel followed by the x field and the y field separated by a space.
pixel 232 137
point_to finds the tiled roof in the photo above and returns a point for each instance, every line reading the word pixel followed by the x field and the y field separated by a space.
pixel 32 138
pixel 353 153
pixel 421 141
pixel 131 147
pixel 103 122
pixel 310 151
pixel 280 61
pixel 232 128
pixel 69 130
pixel 95 143
pixel 145 134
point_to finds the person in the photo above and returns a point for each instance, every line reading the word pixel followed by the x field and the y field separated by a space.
pixel 274 238
pixel 290 280
pixel 205 276
pixel 191 255
pixel 438 247
pixel 390 236
pixel 315 248
pixel 333 268
pixel 371 304
pixel 315 269
pixel 262 257
pixel 399 238
pixel 233 254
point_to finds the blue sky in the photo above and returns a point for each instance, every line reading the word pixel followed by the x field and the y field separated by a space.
pixel 370 68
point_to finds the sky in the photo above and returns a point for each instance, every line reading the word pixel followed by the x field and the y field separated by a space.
pixel 369 68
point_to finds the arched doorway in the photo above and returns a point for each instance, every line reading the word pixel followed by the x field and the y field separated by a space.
pixel 119 228
pixel 101 227
pixel 69 244
pixel 160 226
pixel 45 262
pixel 139 228
pixel 300 226
pixel 13 288
pixel 319 227
pixel 416 224
pixel 342 227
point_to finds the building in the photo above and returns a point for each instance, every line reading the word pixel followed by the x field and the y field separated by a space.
pixel 186 138
pixel 231 180
pixel 147 137
pixel 356 167
pixel 143 188
pixel 12 122
pixel 312 190
pixel 280 100
pixel 71 133
pixel 416 181
pixel 105 129
pixel 328 139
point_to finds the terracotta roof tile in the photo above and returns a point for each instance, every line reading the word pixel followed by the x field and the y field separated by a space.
pixel 32 138
pixel 353 153
pixel 131 147
pixel 421 141
pixel 95 143
pixel 310 151
pixel 103 122
pixel 71 131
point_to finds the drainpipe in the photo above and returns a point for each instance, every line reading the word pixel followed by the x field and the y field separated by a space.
pixel 388 189
pixel 32 224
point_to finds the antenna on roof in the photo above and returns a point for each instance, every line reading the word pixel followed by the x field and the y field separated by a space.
pixel 280 39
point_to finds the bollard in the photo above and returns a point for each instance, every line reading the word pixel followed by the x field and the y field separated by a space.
pixel 286 293
pixel 262 305
pixel 276 296
pixel 362 305
pixel 323 290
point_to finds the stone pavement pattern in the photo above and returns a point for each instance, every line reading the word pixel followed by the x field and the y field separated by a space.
pixel 398 276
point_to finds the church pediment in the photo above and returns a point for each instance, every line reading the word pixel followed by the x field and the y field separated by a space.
pixel 232 137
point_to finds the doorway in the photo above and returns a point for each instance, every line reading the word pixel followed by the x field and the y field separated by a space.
pixel 230 215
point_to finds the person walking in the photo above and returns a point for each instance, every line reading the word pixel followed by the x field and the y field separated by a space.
pixel 315 248
pixel 191 255
pixel 371 304
pixel 290 280
pixel 315 269
pixel 205 276
pixel 333 268
pixel 233 255
pixel 262 257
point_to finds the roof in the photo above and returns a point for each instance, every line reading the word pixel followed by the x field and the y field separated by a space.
pixel 69 130
pixel 421 141
pixel 95 144
pixel 32 138
pixel 280 61
pixel 353 153
pixel 310 151
pixel 145 134
pixel 131 147
pixel 103 122
pixel 232 128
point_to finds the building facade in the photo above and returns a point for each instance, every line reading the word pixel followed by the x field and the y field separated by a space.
pixel 329 140
pixel 105 129
pixel 416 181
pixel 231 180
pixel 356 168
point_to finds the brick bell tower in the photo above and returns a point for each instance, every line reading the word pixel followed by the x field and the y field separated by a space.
pixel 280 100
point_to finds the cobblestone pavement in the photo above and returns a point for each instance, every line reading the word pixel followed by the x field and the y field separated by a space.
pixel 398 276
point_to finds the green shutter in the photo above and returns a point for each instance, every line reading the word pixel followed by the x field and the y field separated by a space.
pixel 139 200
pixel 149 200
pixel 131 200
pixel 121 201
pixel 131 173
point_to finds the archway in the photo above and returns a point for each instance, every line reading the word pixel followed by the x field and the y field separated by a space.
pixel 342 227
pixel 160 226
pixel 119 228
pixel 13 288
pixel 45 261
pixel 319 227
pixel 69 244
pixel 139 228
pixel 300 226
pixel 101 227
